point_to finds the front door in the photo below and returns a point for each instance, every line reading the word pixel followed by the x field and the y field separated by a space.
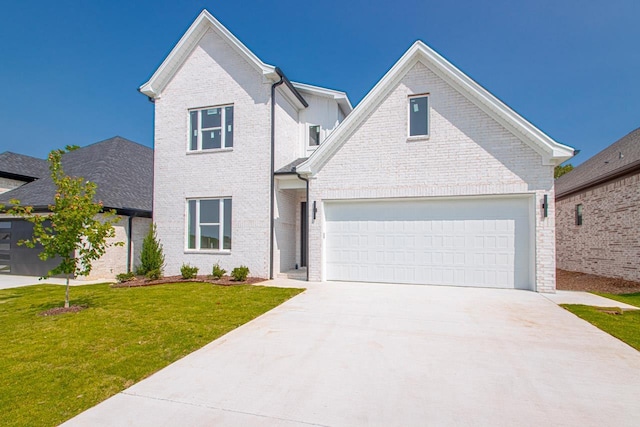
pixel 303 234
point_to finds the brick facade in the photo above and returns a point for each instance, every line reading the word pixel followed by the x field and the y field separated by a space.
pixel 608 241
pixel 467 154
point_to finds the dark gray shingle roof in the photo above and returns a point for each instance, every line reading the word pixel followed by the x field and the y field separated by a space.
pixel 291 167
pixel 621 156
pixel 122 170
pixel 20 165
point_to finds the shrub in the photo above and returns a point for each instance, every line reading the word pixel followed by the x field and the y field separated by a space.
pixel 240 274
pixel 125 277
pixel 218 271
pixel 188 271
pixel 154 274
pixel 151 255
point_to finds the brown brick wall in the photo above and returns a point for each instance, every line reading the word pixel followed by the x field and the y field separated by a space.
pixel 608 241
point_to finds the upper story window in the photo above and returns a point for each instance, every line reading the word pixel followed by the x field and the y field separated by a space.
pixel 579 214
pixel 314 135
pixel 211 128
pixel 419 115
pixel 209 224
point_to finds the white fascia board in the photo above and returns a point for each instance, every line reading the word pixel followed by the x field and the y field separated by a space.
pixel 339 96
pixel 205 21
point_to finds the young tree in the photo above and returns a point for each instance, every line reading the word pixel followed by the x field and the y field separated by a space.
pixel 76 228
pixel 558 171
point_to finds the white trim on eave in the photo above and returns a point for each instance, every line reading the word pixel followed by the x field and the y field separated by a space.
pixel 204 22
pixel 340 97
pixel 552 152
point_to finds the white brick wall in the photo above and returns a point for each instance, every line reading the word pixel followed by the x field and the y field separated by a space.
pixel 214 74
pixel 467 153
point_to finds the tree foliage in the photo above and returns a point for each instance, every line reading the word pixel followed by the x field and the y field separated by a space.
pixel 152 253
pixel 558 171
pixel 75 229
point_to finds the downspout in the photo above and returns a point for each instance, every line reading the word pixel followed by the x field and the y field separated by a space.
pixel 273 181
pixel 306 241
pixel 130 237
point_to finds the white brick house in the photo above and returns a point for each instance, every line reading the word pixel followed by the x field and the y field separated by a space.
pixel 430 180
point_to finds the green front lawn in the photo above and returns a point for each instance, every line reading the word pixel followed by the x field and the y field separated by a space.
pixel 52 368
pixel 625 326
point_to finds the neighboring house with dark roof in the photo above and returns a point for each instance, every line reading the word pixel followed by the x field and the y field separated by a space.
pixel 123 173
pixel 18 169
pixel 598 213
pixel 429 180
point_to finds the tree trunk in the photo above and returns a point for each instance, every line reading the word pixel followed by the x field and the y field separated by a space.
pixel 66 294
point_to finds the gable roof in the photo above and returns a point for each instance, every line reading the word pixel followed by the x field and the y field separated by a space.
pixel 122 170
pixel 620 158
pixel 181 51
pixel 21 167
pixel 340 97
pixel 551 151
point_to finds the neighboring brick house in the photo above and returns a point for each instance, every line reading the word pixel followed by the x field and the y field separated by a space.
pixel 430 180
pixel 123 172
pixel 598 213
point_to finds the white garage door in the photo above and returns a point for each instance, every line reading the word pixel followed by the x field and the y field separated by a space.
pixel 465 242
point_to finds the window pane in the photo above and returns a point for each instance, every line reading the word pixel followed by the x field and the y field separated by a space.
pixel 194 130
pixel 5 257
pixel 314 135
pixel 211 139
pixel 209 211
pixel 228 121
pixel 209 237
pixel 5 224
pixel 192 224
pixel 5 236
pixel 211 118
pixel 4 246
pixel 4 268
pixel 418 116
pixel 226 244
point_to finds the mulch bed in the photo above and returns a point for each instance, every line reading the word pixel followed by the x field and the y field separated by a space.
pixel 575 281
pixel 224 281
pixel 61 310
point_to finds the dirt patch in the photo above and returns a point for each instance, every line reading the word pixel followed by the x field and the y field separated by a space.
pixel 575 281
pixel 223 281
pixel 62 310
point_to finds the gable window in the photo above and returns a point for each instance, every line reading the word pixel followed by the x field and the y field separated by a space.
pixel 211 128
pixel 209 224
pixel 579 214
pixel 314 135
pixel 419 115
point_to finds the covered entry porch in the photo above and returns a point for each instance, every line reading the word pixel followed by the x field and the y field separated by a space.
pixel 290 256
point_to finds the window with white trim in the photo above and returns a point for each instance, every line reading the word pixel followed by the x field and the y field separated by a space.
pixel 209 224
pixel 314 135
pixel 211 128
pixel 419 115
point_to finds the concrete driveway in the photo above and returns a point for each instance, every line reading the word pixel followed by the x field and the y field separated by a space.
pixel 394 355
pixel 8 281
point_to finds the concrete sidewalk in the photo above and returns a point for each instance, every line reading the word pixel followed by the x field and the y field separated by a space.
pixel 394 355
pixel 586 298
pixel 8 281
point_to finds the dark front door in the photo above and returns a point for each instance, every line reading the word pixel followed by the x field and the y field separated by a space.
pixel 303 234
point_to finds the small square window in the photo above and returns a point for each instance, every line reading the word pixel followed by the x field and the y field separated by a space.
pixel 211 128
pixel 419 115
pixel 314 135
pixel 579 214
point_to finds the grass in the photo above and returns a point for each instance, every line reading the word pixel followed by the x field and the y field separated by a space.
pixel 52 368
pixel 625 326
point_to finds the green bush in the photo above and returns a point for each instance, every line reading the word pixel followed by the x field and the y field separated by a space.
pixel 154 274
pixel 240 274
pixel 151 255
pixel 188 271
pixel 125 277
pixel 218 271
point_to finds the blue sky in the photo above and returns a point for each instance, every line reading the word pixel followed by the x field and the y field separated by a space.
pixel 69 71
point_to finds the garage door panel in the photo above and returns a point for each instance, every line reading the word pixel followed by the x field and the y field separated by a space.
pixel 462 242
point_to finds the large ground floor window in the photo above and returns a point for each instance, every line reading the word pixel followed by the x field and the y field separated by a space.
pixel 209 224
